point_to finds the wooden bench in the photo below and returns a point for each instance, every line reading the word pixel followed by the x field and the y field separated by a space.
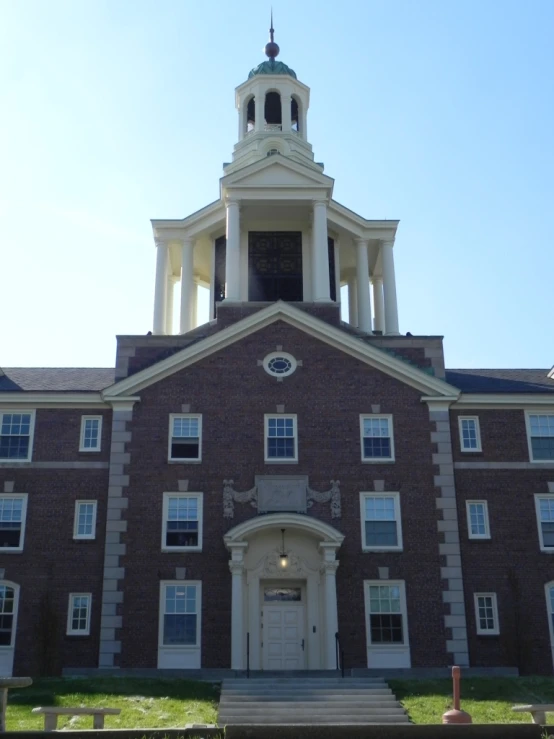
pixel 538 711
pixel 51 714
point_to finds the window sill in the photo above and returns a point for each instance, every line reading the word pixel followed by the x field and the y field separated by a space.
pixel 181 648
pixel 184 461
pixel 550 550
pixel 10 551
pixel 385 550
pixel 378 461
pixel 84 538
pixel 168 550
pixel 281 461
pixel 9 462
pixel 89 451
pixel 471 451
pixel 77 635
pixel 479 538
pixel 542 461
pixel 488 635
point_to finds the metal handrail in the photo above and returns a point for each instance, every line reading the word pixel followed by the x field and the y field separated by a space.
pixel 339 654
pixel 247 654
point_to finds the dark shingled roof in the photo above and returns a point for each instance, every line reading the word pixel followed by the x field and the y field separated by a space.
pixel 56 379
pixel 501 380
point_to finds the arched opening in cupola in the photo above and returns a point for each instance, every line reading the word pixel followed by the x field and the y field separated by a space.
pixel 295 114
pixel 272 112
pixel 250 115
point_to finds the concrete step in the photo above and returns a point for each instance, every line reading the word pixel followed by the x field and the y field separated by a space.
pixel 320 707
pixel 337 719
pixel 272 694
pixel 240 700
pixel 304 680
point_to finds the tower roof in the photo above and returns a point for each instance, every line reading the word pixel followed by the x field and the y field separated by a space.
pixel 271 50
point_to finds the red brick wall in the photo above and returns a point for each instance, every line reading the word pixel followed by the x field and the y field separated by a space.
pixel 503 436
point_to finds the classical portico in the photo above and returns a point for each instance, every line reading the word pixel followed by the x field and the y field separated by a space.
pixel 286 607
pixel 274 186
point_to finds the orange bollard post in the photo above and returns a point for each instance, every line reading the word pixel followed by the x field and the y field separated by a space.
pixel 456 715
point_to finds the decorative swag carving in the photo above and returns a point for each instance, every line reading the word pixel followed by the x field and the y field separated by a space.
pixel 232 496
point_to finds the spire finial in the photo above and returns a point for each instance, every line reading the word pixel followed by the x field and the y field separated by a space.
pixel 271 48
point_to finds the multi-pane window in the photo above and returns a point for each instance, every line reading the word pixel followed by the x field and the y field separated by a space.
pixel 540 429
pixel 180 607
pixel 386 613
pixel 486 613
pixel 477 519
pixel 12 521
pixel 91 433
pixel 470 436
pixel 549 589
pixel 85 519
pixel 544 506
pixel 7 613
pixel 376 438
pixel 182 521
pixel 16 431
pixel 185 433
pixel 381 527
pixel 78 615
pixel 280 439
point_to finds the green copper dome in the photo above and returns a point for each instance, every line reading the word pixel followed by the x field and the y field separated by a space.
pixel 272 67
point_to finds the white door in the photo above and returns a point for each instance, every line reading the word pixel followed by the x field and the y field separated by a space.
pixel 283 637
pixel 9 597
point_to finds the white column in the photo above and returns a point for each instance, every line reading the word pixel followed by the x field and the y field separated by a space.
pixel 286 118
pixel 337 269
pixel 237 615
pixel 194 304
pixel 259 111
pixel 330 566
pixel 352 299
pixel 187 280
pixel 389 287
pixel 232 255
pixel 242 120
pixel 378 305
pixel 362 271
pixel 320 253
pixel 169 303
pixel 160 292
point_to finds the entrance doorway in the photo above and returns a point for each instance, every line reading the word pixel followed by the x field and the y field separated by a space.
pixel 283 618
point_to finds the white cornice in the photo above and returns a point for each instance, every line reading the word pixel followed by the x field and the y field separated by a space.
pixel 506 400
pixel 301 320
pixel 52 400
pixel 239 177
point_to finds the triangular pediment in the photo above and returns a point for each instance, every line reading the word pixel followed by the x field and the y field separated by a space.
pixel 280 311
pixel 277 172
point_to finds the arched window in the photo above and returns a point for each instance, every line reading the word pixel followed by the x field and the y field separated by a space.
pixel 250 115
pixel 272 112
pixel 295 114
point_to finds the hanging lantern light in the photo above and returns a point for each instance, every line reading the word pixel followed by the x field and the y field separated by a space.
pixel 283 557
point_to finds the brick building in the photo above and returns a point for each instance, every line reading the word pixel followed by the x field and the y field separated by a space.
pixel 246 490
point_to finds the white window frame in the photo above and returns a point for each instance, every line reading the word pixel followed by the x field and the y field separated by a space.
pixel 486 632
pixel 528 431
pixel 78 632
pixel 538 498
pixel 377 460
pixel 11 461
pixel 23 497
pixel 470 534
pixel 82 447
pixel 178 460
pixel 475 419
pixel 165 507
pixel 15 587
pixel 398 519
pixel 281 460
pixel 76 534
pixel 161 614
pixel 550 612
pixel 387 646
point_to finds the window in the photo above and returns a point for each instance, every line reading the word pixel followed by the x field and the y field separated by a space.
pixel 13 509
pixel 182 521
pixel 540 435
pixel 544 506
pixel 16 436
pixel 8 613
pixel 185 436
pixel 78 614
pixel 84 526
pixel 279 364
pixel 470 436
pixel 549 592
pixel 381 525
pixel 281 444
pixel 91 433
pixel 377 440
pixel 180 606
pixel 486 613
pixel 477 519
pixel 386 608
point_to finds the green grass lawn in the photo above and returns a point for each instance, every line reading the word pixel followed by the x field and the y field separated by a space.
pixel 487 700
pixel 143 703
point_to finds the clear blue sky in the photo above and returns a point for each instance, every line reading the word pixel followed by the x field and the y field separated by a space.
pixel 439 113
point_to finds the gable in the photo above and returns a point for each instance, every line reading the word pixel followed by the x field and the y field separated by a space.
pixel 333 336
pixel 277 171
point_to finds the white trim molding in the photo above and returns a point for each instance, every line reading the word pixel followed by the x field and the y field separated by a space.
pixel 180 656
pixel 30 435
pixel 184 460
pixel 268 417
pixel 528 415
pixel 477 429
pixel 70 631
pixel 377 417
pixel 82 440
pixel 383 655
pixel 238 534
pixel 92 534
pixel 487 533
pixel 550 520
pixel 8 517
